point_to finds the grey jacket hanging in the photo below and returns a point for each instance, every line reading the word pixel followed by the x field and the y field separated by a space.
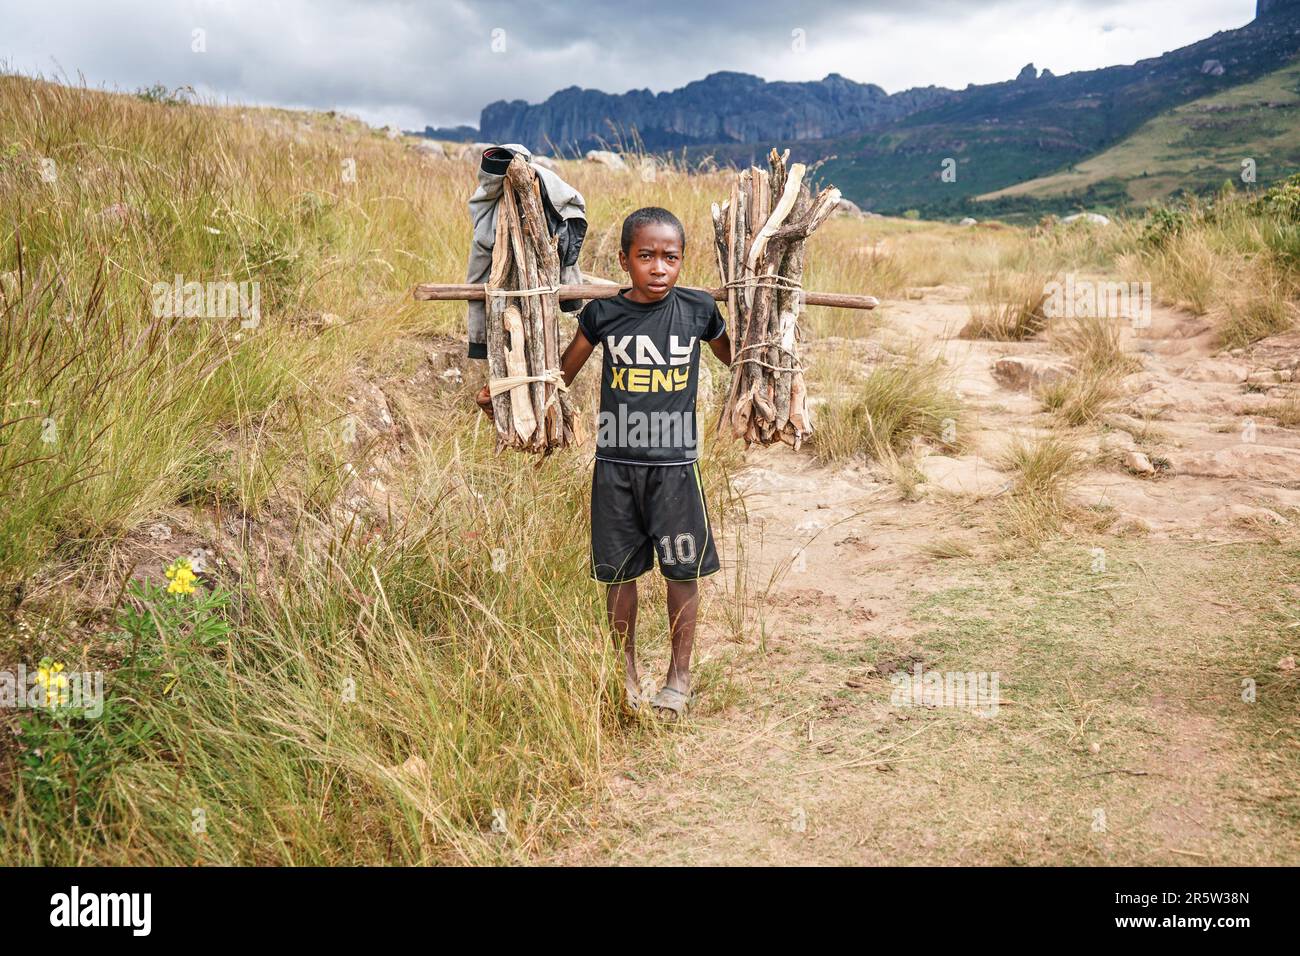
pixel 566 217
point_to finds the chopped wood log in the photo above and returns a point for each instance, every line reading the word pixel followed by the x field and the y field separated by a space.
pixel 494 312
pixel 530 407
pixel 759 234
pixel 525 272
pixel 521 406
pixel 547 258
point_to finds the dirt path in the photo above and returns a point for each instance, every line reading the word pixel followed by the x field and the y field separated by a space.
pixel 1121 735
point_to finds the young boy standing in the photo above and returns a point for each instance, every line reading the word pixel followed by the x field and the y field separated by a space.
pixel 647 499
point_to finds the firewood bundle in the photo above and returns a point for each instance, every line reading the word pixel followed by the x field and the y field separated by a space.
pixel 529 404
pixel 760 232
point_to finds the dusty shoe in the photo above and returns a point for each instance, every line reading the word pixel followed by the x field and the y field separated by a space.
pixel 671 704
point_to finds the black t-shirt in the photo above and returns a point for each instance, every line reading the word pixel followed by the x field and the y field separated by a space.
pixel 650 373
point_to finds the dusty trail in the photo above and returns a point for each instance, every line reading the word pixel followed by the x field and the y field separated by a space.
pixel 1120 739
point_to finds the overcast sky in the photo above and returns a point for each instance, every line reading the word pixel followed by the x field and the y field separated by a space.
pixel 439 62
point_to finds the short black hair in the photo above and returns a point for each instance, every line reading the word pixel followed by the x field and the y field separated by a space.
pixel 644 217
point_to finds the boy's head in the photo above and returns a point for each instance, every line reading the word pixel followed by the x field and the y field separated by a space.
pixel 652 246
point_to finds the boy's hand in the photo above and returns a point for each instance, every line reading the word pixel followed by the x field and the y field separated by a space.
pixel 484 401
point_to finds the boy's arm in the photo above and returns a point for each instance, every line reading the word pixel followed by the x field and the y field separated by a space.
pixel 575 357
pixel 571 362
pixel 722 348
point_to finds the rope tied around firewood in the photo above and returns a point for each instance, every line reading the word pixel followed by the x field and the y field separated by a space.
pixel 551 376
pixel 774 281
pixel 796 367
pixel 777 281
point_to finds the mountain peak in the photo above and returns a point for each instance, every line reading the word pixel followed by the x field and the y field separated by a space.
pixel 1265 7
pixel 725 107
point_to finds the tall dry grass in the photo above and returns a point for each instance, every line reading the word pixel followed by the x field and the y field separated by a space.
pixel 1095 346
pixel 420 677
pixel 1009 306
pixel 1234 258
pixel 879 414
pixel 1044 469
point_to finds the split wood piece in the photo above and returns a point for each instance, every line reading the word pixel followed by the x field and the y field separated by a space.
pixel 759 234
pixel 543 269
pixel 521 407
pixel 525 277
pixel 496 345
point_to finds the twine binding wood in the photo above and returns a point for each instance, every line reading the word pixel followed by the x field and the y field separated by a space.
pixel 777 281
pixel 552 376
pixel 796 367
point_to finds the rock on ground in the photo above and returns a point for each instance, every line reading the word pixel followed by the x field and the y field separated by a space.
pixel 1030 372
pixel 1138 463
pixel 1094 218
pixel 1116 441
pixel 961 476
pixel 1246 460
pixel 606 158
pixel 1216 370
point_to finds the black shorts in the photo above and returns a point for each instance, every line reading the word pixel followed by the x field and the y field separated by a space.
pixel 639 512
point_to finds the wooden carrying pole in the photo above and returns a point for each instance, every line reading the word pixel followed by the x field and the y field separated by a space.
pixel 460 291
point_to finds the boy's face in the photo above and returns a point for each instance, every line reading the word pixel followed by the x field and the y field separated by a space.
pixel 653 260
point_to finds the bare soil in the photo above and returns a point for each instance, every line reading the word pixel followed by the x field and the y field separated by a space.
pixel 1124 650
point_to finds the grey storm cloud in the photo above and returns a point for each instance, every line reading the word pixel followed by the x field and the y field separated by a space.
pixel 440 62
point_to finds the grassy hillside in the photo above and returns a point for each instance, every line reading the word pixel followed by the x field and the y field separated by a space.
pixel 1191 148
pixel 381 590
pixel 392 653
pixel 1004 134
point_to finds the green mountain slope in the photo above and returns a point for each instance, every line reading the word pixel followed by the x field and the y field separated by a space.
pixel 1190 147
pixel 1002 135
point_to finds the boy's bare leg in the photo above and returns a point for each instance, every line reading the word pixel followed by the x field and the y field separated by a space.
pixel 620 603
pixel 683 603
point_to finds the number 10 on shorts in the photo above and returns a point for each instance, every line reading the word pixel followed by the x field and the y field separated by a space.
pixel 683 545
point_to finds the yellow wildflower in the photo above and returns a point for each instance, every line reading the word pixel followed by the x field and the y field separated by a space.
pixel 52 680
pixel 182 577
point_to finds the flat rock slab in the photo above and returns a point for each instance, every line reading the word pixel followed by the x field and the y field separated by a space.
pixel 1248 460
pixel 1216 370
pixel 1238 514
pixel 1116 440
pixel 961 476
pixel 1030 372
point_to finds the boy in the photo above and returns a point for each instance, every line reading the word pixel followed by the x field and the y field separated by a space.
pixel 647 499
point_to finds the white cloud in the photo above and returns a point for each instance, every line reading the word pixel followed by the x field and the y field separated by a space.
pixel 412 64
